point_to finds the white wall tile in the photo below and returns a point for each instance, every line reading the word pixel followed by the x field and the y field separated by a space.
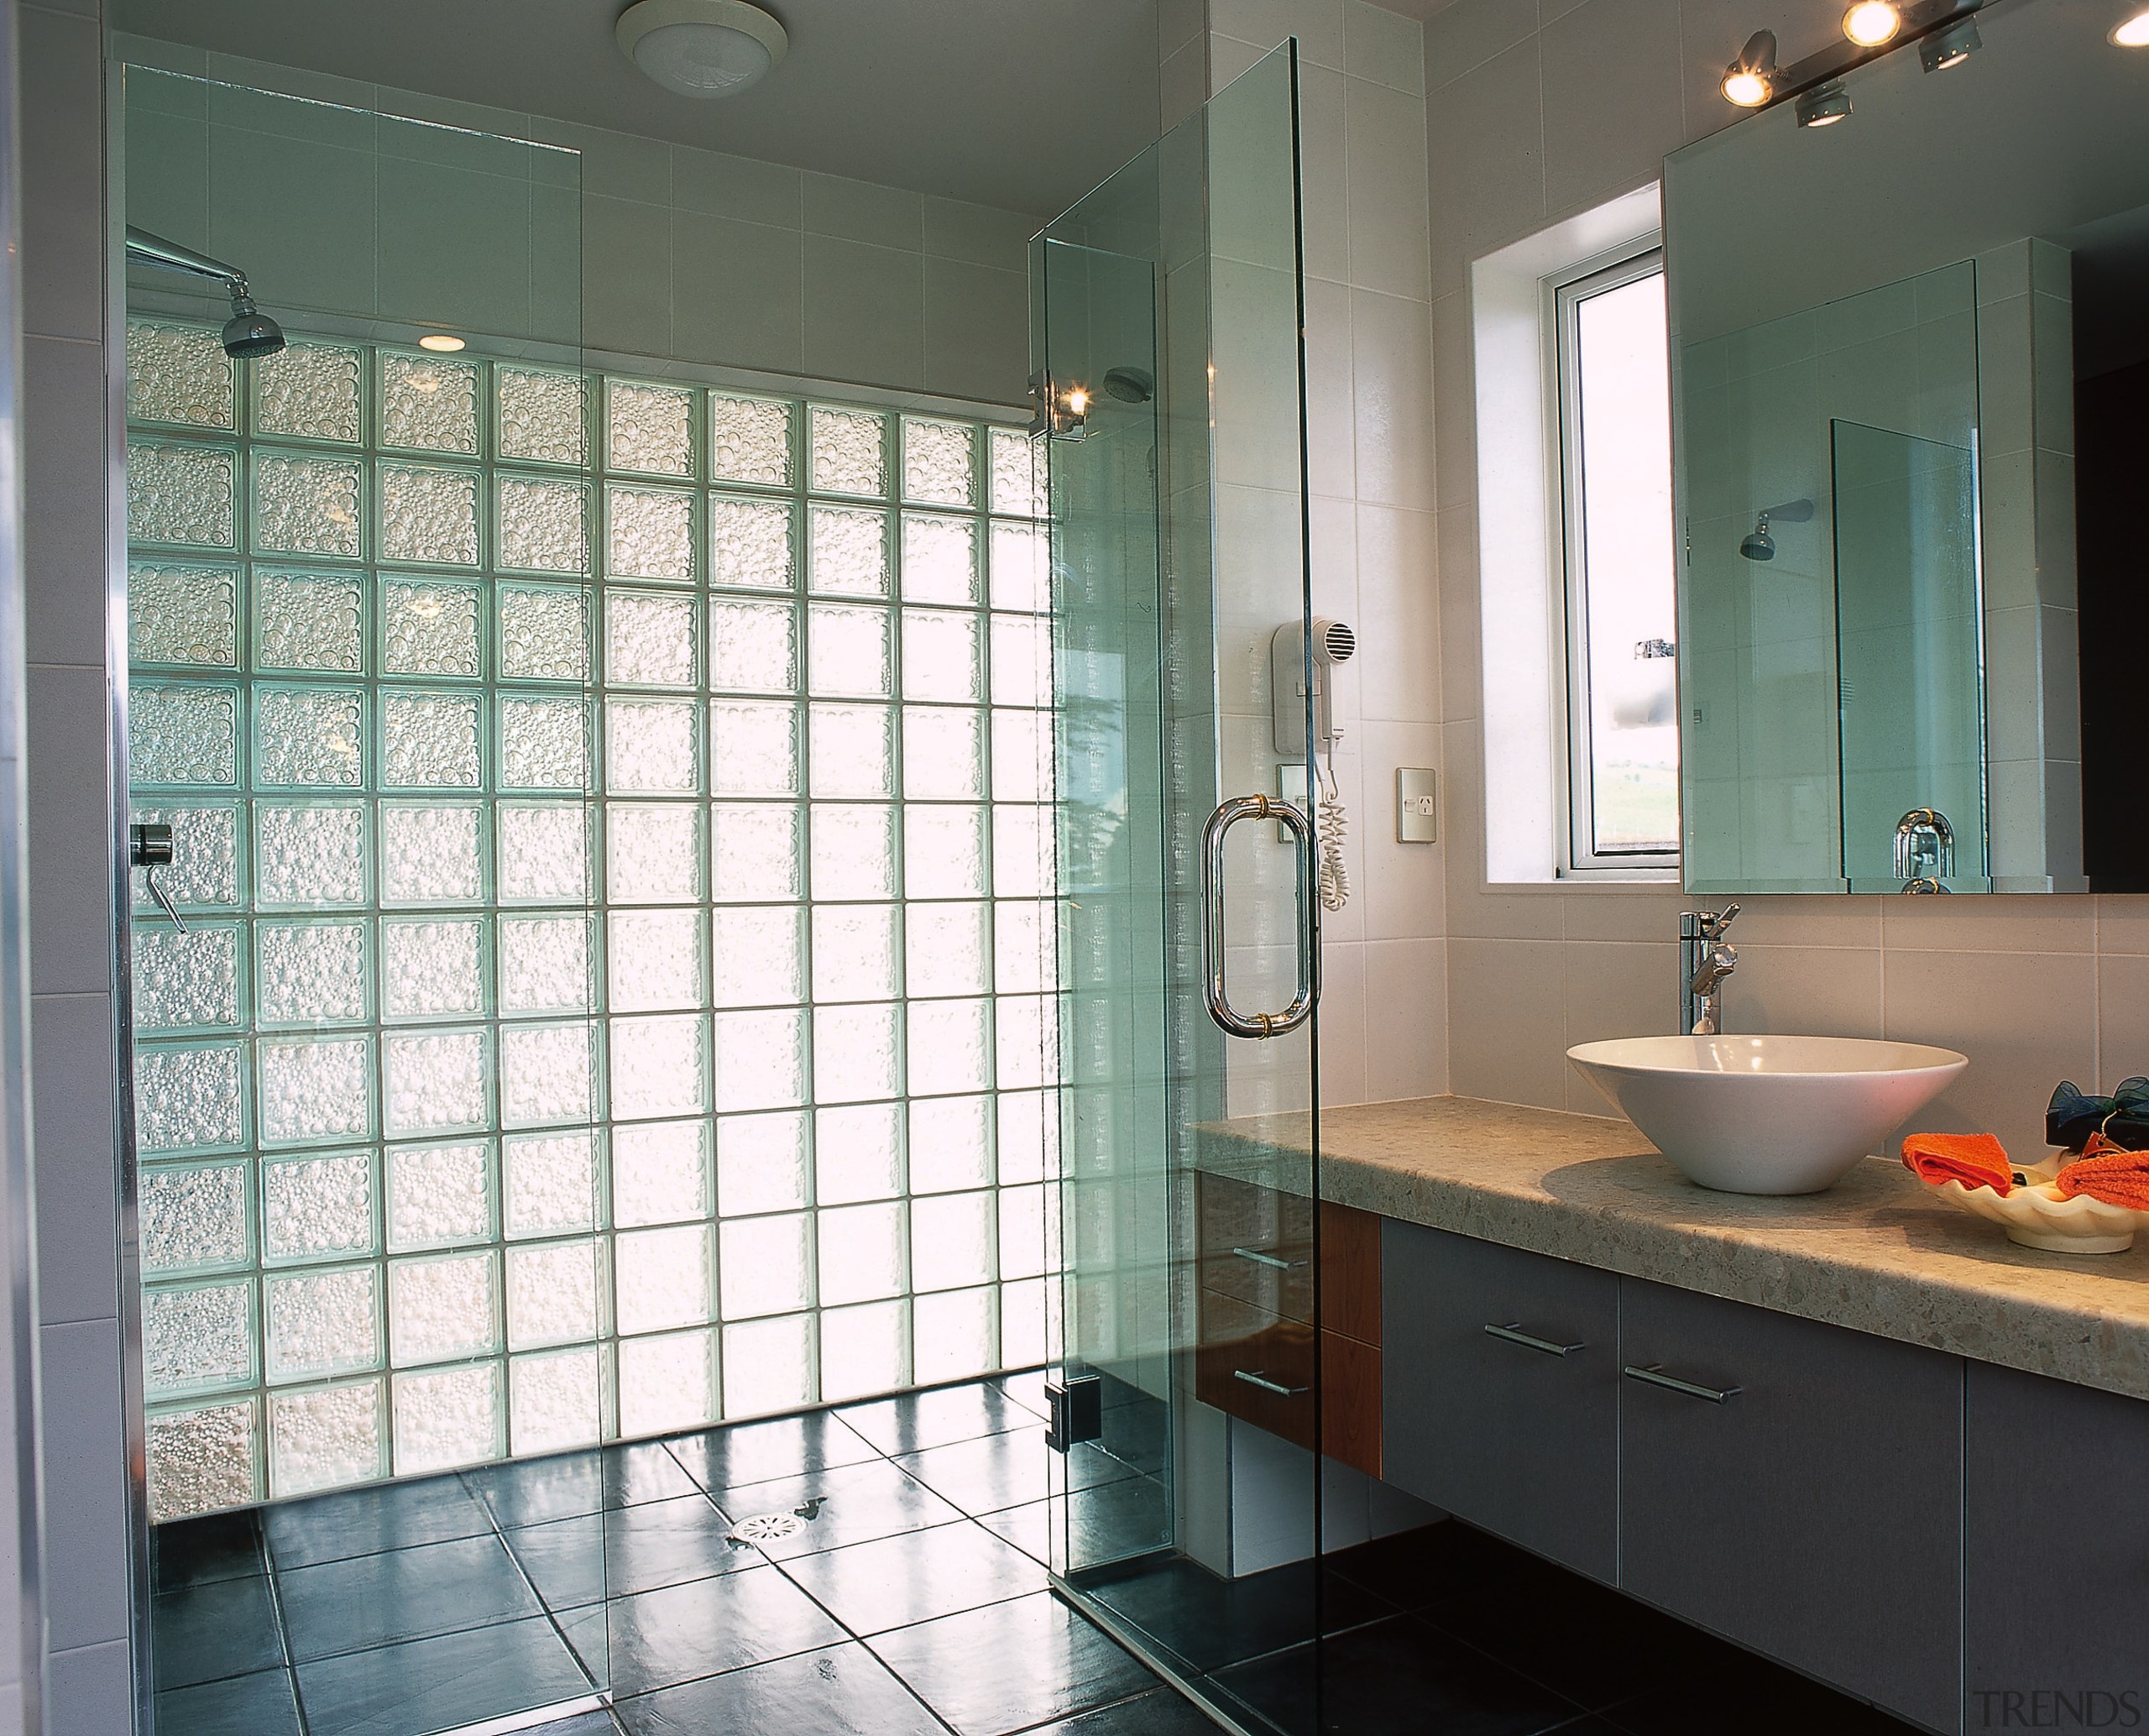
pixel 976 332
pixel 1407 1044
pixel 1387 168
pixel 64 465
pixel 737 293
pixel 858 211
pixel 85 1507
pixel 1384 46
pixel 77 1162
pixel 865 312
pixel 69 831
pixel 718 185
pixel 626 276
pixel 61 134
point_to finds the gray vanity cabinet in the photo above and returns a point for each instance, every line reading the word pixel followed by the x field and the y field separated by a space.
pixel 1515 1429
pixel 2057 1608
pixel 1816 1513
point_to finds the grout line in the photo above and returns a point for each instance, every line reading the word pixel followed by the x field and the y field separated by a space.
pixel 282 1627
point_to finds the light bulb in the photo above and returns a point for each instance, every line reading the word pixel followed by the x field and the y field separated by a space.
pixel 1749 81
pixel 1870 23
pixel 445 342
pixel 1749 90
pixel 1078 402
pixel 2133 31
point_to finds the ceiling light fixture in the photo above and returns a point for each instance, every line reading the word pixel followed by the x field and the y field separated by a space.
pixel 1824 105
pixel 1870 23
pixel 701 48
pixel 1747 80
pixel 2133 31
pixel 446 343
pixel 1950 47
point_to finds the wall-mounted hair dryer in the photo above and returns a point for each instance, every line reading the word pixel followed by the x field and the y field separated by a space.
pixel 1302 663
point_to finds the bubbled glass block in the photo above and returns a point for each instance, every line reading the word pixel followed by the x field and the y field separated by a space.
pixel 431 970
pixel 849 451
pixel 309 736
pixel 1026 1041
pixel 309 620
pixel 177 373
pixel 750 544
pixel 428 515
pixel 854 852
pixel 429 740
pixel 766 1266
pixel 656 961
pixel 950 1144
pixel 1023 852
pixel 322 1322
pixel 308 391
pixel 1022 756
pixel 650 745
pixel 430 855
pixel 648 428
pixel 851 649
pixel 186 982
pixel 768 1366
pixel 318 1208
pixel 956 1335
pixel 761 1060
pixel 546 1075
pixel 305 504
pixel 556 1400
pixel 310 973
pixel 1022 660
pixel 428 629
pixel 668 1382
pixel 754 853
pixel 949 949
pixel 315 1089
pixel 552 1294
pixel 854 751
pixel 753 646
pixel 857 951
pixel 543 524
pixel 328 1436
pixel 858 1153
pixel 197 1338
pixel 1027 1138
pixel 847 550
pixel 945 853
pixel 760 955
pixel 944 753
pixel 182 613
pixel 951 1240
pixel 942 656
pixel 949 1047
pixel 442 1305
pixel 542 415
pixel 429 404
pixel 649 640
pixel 552 1186
pixel 659 1067
pixel 193 1218
pixel 939 462
pixel 660 1173
pixel 649 533
pixel 544 743
pixel 861 1252
pixel 544 632
pixel 544 853
pixel 863 1351
pixel 653 853
pixel 204 869
pixel 1022 1232
pixel 1024 1322
pixel 184 494
pixel 1018 479
pixel 753 748
pixel 661 1278
pixel 189 1096
pixel 439 1195
pixel 940 559
pixel 748 440
pixel 447 1417
pixel 436 1083
pixel 182 734
pixel 1024 949
pixel 203 1459
pixel 763 1165
pixel 1021 568
pixel 857 1054
pixel 544 964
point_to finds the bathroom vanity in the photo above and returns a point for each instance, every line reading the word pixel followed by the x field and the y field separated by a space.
pixel 1857 1431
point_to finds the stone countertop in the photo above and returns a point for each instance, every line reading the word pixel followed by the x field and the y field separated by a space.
pixel 1876 1253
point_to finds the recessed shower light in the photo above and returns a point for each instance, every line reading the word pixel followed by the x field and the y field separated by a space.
pixel 1950 47
pixel 2133 31
pixel 701 48
pixel 446 343
pixel 1870 23
pixel 1747 80
pixel 1824 105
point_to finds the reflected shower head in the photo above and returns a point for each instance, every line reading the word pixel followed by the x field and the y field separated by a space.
pixel 249 332
pixel 1759 546
pixel 1131 386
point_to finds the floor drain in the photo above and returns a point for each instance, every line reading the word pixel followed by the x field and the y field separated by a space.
pixel 765 1527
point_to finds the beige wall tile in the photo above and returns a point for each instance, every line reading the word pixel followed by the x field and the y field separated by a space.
pixel 1507 1020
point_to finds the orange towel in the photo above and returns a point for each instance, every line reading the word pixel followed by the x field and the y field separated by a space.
pixel 2109 1172
pixel 1977 1160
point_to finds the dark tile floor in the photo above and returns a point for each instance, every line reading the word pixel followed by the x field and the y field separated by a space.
pixel 913 1602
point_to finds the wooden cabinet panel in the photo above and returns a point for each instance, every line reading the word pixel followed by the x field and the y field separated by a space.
pixel 1351 1430
pixel 1350 1274
pixel 2056 1579
pixel 1517 1440
pixel 1816 1515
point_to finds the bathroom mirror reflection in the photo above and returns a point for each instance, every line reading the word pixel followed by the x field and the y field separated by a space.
pixel 1903 348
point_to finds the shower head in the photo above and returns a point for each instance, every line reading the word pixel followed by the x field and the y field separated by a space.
pixel 1131 386
pixel 1759 546
pixel 249 332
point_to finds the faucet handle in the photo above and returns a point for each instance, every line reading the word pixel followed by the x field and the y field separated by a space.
pixel 1723 918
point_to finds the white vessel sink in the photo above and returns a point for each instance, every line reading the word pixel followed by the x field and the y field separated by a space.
pixel 1766 1115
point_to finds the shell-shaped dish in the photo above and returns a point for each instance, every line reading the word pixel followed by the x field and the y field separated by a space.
pixel 2037 1215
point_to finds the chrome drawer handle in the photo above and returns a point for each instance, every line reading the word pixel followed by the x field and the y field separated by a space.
pixel 1512 1333
pixel 1655 1375
pixel 1270 1261
pixel 1266 1385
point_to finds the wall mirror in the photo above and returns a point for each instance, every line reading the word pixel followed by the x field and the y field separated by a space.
pixel 1911 389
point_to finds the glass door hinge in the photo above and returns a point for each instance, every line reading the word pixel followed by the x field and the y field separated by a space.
pixel 1077 1411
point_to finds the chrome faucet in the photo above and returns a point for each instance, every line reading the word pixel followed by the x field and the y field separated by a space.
pixel 1706 958
pixel 1925 850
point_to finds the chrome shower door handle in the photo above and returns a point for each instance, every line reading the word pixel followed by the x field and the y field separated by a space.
pixel 1293 819
pixel 149 848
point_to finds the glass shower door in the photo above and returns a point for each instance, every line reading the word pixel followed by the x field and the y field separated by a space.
pixel 1168 320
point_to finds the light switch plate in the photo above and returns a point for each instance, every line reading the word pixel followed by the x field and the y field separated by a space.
pixel 1417 806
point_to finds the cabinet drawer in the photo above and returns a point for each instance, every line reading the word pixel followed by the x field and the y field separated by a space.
pixel 1816 1513
pixel 1515 1439
pixel 1259 1367
pixel 1257 1246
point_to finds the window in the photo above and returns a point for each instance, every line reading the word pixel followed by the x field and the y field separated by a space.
pixel 1615 448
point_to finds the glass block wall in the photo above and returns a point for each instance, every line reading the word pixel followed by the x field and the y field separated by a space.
pixel 612 822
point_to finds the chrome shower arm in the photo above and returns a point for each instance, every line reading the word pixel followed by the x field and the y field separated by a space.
pixel 147 249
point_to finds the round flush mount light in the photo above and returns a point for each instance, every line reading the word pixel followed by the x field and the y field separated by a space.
pixel 1870 23
pixel 701 48
pixel 1747 80
pixel 446 343
pixel 2133 31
